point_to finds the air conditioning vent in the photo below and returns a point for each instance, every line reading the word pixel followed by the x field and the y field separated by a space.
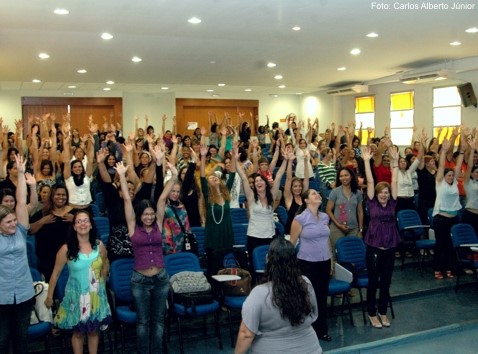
pixel 423 78
pixel 348 90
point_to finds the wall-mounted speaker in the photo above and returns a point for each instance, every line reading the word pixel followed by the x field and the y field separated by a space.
pixel 467 95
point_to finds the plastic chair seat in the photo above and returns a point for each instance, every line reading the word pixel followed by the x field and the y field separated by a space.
pixel 234 302
pixel 361 281
pixel 125 314
pixel 201 310
pixel 425 244
pixel 337 287
pixel 39 330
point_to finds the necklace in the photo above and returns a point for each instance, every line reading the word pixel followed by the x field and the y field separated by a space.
pixel 222 214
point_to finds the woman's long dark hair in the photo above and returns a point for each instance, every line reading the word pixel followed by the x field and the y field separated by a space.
pixel 78 179
pixel 289 289
pixel 353 179
pixel 270 199
pixel 72 241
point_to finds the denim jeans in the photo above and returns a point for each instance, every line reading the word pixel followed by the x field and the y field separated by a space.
pixel 380 267
pixel 14 322
pixel 149 296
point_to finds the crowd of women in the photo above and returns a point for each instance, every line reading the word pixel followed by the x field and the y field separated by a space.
pixel 158 186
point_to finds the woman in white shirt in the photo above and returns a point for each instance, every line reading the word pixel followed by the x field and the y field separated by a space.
pixel 470 214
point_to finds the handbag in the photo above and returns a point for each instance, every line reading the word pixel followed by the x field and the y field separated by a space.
pixel 190 243
pixel 241 287
pixel 40 312
pixel 191 289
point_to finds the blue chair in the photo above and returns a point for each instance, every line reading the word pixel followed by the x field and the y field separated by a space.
pixel 413 235
pixel 259 259
pixel 240 234
pixel 31 252
pixel 100 202
pixel 282 214
pixel 280 229
pixel 102 224
pixel 121 295
pixel 186 261
pixel 340 287
pixel 199 231
pixel 239 216
pixel 463 237
pixel 95 209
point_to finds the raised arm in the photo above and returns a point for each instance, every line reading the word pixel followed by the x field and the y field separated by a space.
pixel 277 180
pixel 441 163
pixel 90 153
pixel 60 261
pixel 394 156
pixel 288 181
pixel 240 170
pixel 161 205
pixel 21 192
pixel 128 205
pixel 367 156
pixel 32 185
pixel 472 142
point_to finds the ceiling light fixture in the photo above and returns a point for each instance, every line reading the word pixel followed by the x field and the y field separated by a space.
pixel 136 59
pixel 61 11
pixel 372 35
pixel 271 65
pixel 455 43
pixel 107 89
pixel 36 81
pixel 355 51
pixel 109 82
pixel 342 68
pixel 296 28
pixel 72 87
pixel 194 20
pixel 298 93
pixel 278 77
pixel 472 30
pixel 81 71
pixel 281 86
pixel 43 56
pixel 247 90
pixel 106 36
pixel 165 88
pixel 221 84
pixel 210 90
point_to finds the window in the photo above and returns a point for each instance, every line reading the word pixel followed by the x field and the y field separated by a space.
pixel 365 115
pixel 401 117
pixel 446 111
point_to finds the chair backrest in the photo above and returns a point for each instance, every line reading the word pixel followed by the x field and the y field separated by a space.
pixel 102 228
pixel 100 202
pixel 409 224
pixel 180 262
pixel 36 276
pixel 120 279
pixel 351 249
pixel 199 231
pixel 280 229
pixel 462 234
pixel 61 283
pixel 239 216
pixel 240 234
pixel 282 214
pixel 259 257
pixel 315 184
pixel 95 209
pixel 31 251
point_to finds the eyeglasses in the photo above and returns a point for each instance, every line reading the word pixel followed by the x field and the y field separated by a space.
pixel 82 221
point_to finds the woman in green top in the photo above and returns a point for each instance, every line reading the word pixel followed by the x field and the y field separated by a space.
pixel 218 228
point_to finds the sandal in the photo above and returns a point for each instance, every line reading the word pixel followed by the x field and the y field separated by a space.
pixel 449 274
pixel 438 275
pixel 384 320
pixel 375 322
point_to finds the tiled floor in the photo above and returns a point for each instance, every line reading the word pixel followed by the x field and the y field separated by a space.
pixel 420 304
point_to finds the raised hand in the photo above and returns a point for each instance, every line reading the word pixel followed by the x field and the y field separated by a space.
pixel 393 152
pixel 158 153
pixel 20 163
pixel 172 168
pixel 30 179
pixel 366 153
pixel 203 150
pixel 101 155
pixel 121 168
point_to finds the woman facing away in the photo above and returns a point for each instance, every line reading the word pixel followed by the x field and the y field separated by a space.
pixel 315 258
pixel 277 316
pixel 381 239
pixel 149 281
pixel 16 293
pixel 84 308
pixel 445 212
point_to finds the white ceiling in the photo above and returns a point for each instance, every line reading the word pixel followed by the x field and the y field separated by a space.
pixel 232 44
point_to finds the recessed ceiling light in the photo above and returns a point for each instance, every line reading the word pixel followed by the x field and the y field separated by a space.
pixel 36 81
pixel 106 36
pixel 271 65
pixel 355 51
pixel 67 93
pixel 247 90
pixel 72 87
pixel 210 90
pixel 43 56
pixel 296 28
pixel 372 35
pixel 215 95
pixel 455 43
pixel 212 62
pixel 342 68
pixel 278 77
pixel 164 88
pixel 221 85
pixel 298 93
pixel 281 86
pixel 107 89
pixel 61 11
pixel 472 30
pixel 194 20
pixel 109 82
pixel 136 59
pixel 274 95
pixel 81 71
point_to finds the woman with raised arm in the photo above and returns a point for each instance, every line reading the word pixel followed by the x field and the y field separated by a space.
pixel 260 200
pixel 149 282
pixel 445 212
pixel 382 238
pixel 16 293
pixel 470 214
pixel 84 308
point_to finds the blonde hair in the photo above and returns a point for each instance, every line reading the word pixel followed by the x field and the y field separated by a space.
pixel 381 186
pixel 5 211
pixel 215 196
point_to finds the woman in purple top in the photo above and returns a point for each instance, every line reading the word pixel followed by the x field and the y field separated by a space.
pixel 312 227
pixel 149 282
pixel 382 238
